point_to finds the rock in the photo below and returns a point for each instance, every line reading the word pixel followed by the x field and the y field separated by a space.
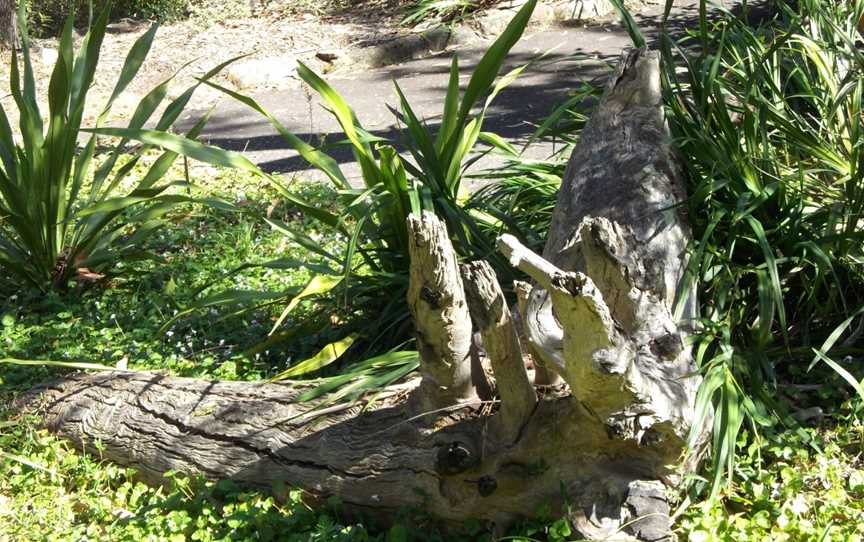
pixel 401 49
pixel 493 21
pixel 328 55
pixel 124 26
pixel 580 10
pixel 806 415
pixel 264 72
pixel 647 503
pixel 48 56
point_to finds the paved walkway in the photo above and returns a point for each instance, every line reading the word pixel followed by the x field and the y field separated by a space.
pixel 578 55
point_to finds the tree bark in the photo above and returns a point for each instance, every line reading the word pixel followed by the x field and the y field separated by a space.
pixel 600 314
pixel 8 25
pixel 437 302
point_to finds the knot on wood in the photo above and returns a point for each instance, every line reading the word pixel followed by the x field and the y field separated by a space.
pixel 651 437
pixel 433 298
pixel 455 458
pixel 487 485
pixel 667 347
pixel 573 283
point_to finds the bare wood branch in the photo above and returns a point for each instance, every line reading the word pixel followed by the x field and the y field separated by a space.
pixel 437 302
pixel 379 460
pixel 491 315
pixel 527 261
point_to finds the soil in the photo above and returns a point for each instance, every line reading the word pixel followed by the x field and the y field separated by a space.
pixel 190 48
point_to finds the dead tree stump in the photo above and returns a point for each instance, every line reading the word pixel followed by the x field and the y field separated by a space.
pixel 599 314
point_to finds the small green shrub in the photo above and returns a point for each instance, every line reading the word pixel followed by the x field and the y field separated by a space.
pixel 63 212
pixel 46 17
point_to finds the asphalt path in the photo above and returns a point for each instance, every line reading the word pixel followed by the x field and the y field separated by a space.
pixel 570 57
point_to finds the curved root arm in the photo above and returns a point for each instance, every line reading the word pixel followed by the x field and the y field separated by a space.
pixel 377 461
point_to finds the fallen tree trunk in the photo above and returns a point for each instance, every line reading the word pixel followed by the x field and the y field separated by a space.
pixel 600 315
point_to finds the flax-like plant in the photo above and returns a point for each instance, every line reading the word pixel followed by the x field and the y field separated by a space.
pixel 62 212
pixel 522 196
pixel 373 218
pixel 448 11
pixel 768 123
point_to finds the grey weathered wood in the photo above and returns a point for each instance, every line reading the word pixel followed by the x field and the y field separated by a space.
pixel 600 314
pixel 543 376
pixel 437 301
pixel 602 311
pixel 491 315
pixel 445 463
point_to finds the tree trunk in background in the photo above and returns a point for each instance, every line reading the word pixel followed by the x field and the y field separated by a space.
pixel 601 446
pixel 8 25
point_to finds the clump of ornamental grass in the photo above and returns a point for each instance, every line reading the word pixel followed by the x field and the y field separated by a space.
pixel 768 123
pixel 66 211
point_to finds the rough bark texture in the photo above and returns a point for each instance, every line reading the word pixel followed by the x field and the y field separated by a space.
pixel 600 314
pixel 437 301
pixel 491 315
pixel 8 25
pixel 449 464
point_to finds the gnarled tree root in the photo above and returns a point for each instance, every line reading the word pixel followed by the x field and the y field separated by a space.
pixel 600 314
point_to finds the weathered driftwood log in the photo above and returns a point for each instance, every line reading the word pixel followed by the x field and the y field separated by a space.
pixel 599 314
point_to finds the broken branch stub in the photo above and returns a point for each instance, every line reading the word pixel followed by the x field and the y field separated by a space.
pixel 489 310
pixel 443 325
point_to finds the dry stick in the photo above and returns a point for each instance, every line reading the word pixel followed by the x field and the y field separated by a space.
pixel 492 316
pixel 437 302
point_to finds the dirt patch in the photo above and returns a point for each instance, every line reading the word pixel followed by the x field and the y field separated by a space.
pixel 188 49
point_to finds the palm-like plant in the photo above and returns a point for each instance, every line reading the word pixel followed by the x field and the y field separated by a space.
pixel 373 218
pixel 60 212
